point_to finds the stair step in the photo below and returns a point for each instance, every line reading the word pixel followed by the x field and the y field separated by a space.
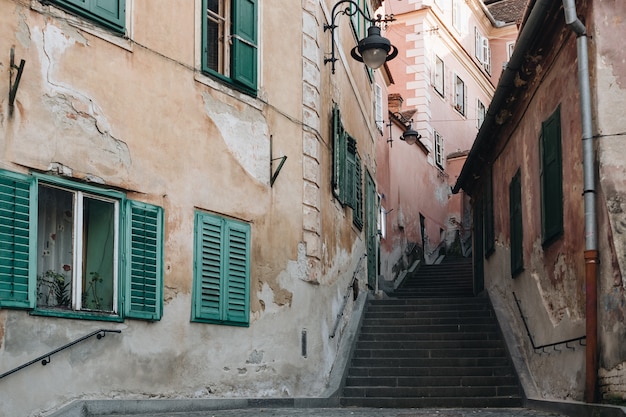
pixel 433 371
pixel 433 402
pixel 431 344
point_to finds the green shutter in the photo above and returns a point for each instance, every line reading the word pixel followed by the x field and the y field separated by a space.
pixel 551 178
pixel 110 13
pixel 18 214
pixel 357 213
pixel 208 268
pixel 237 273
pixel 244 41
pixel 221 271
pixel 144 263
pixel 349 179
pixel 516 224
pixel 339 156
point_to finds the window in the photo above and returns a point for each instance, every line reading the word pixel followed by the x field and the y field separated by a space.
pixel 347 178
pixel 229 41
pixel 108 13
pixel 481 112
pixel 459 95
pixel 438 150
pixel 438 79
pixel 459 21
pixel 378 107
pixel 551 177
pixel 73 250
pixel 221 289
pixel 516 224
pixel 482 51
pixel 510 46
pixel 359 23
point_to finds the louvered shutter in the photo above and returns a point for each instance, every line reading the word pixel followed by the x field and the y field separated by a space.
pixel 110 13
pixel 357 213
pixel 144 261
pixel 339 156
pixel 244 41
pixel 17 240
pixel 208 264
pixel 236 273
pixel 551 178
pixel 348 184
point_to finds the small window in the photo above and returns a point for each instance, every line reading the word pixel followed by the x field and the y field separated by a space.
pixel 439 150
pixel 89 253
pixel 516 224
pixel 551 176
pixel 229 41
pixel 107 13
pixel 347 176
pixel 378 107
pixel 221 291
pixel 438 79
pixel 510 46
pixel 482 51
pixel 459 95
pixel 481 112
pixel 459 21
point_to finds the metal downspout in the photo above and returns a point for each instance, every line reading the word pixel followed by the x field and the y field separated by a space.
pixel 591 238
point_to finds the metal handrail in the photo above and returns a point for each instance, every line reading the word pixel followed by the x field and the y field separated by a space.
pixel 45 359
pixel 549 345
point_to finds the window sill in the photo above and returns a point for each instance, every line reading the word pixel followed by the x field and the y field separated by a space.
pixel 79 315
pixel 225 87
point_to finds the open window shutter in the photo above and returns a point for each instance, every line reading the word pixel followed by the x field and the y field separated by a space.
pixel 144 263
pixel 244 41
pixel 208 268
pixel 17 240
pixel 108 12
pixel 237 271
pixel 350 175
pixel 357 213
pixel 339 156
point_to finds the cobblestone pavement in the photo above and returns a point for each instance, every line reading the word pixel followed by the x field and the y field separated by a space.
pixel 364 412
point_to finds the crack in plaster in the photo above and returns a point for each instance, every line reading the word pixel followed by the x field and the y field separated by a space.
pixel 73 108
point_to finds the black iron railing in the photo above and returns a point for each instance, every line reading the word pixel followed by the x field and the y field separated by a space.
pixel 542 348
pixel 45 359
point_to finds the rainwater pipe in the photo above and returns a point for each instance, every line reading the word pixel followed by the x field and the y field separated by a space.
pixel 589 193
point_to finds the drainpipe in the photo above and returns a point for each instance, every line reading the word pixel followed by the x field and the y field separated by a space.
pixel 591 238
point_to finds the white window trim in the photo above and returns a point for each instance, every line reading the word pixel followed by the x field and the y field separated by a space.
pixel 461 108
pixel 441 74
pixel 378 106
pixel 438 150
pixel 480 115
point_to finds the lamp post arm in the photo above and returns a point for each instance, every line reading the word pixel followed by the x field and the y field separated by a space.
pixel 347 10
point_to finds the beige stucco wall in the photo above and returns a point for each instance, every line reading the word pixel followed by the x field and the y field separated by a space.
pixel 137 115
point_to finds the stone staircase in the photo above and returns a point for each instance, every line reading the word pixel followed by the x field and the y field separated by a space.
pixel 433 344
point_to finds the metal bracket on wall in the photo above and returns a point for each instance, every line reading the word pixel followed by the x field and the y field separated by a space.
pixel 274 174
pixel 13 85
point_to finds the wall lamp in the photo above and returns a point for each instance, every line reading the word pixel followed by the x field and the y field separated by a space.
pixel 410 136
pixel 374 50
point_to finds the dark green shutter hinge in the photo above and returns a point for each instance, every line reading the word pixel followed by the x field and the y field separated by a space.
pixel 274 175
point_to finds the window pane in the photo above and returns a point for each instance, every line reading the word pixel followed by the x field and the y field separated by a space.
pixel 55 233
pixel 98 274
pixel 215 35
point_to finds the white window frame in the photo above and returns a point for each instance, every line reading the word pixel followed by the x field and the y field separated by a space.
pixel 482 50
pixel 459 95
pixel 378 106
pixel 481 112
pixel 77 247
pixel 438 150
pixel 439 76
pixel 509 49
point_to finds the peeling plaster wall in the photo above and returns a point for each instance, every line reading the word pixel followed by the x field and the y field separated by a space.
pixel 610 98
pixel 133 114
pixel 550 289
